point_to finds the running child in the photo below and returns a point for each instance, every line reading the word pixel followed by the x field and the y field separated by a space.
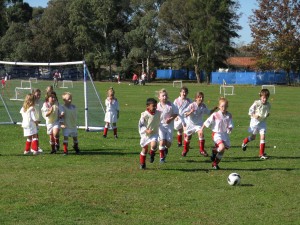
pixel 50 112
pixel 182 102
pixel 259 111
pixel 148 129
pixel 69 117
pixel 112 112
pixel 194 114
pixel 29 124
pixel 221 124
pixel 168 113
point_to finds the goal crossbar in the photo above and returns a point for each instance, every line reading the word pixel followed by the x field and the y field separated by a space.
pixel 269 87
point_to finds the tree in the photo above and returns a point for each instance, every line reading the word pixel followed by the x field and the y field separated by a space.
pixel 275 28
pixel 204 27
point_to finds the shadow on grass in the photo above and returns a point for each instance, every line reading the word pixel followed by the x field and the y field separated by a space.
pixel 231 169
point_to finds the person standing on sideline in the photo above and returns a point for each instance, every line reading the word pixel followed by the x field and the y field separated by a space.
pixel 221 124
pixel 69 124
pixel 168 113
pixel 182 102
pixel 29 124
pixel 55 79
pixel 112 112
pixel 135 79
pixel 259 111
pixel 194 114
pixel 51 112
pixel 148 129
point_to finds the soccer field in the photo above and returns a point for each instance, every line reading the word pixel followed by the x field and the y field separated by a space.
pixel 104 184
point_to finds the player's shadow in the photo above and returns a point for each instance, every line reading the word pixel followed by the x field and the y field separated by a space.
pixel 107 151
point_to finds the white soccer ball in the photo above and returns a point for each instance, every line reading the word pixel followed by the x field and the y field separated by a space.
pixel 234 179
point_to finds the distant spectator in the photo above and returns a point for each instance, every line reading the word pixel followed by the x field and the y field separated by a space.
pixel 135 79
pixel 3 83
pixel 143 78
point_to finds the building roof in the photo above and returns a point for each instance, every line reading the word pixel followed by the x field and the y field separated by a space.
pixel 244 62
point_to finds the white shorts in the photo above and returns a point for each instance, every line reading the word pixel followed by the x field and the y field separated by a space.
pixel 165 133
pixel 145 140
pixel 178 124
pixel 221 138
pixel 51 126
pixel 30 131
pixel 192 129
pixel 260 128
pixel 70 132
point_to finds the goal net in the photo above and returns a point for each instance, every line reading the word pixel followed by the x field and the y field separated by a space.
pixel 177 83
pixel 226 90
pixel 74 75
pixel 271 88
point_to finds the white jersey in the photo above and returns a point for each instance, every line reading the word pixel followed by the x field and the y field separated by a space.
pixel 28 121
pixel 196 117
pixel 112 109
pixel 54 116
pixel 149 121
pixel 260 109
pixel 167 111
pixel 70 116
pixel 182 105
pixel 219 122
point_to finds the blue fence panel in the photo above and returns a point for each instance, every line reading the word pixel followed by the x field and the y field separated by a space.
pixel 219 77
pixel 246 78
pixel 164 74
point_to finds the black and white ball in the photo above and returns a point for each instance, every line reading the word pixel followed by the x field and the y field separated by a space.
pixel 234 179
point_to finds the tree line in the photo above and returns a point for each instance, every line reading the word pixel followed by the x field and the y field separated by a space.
pixel 126 36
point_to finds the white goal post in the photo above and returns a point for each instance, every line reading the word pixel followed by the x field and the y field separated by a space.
pixel 271 88
pixel 67 84
pixel 177 83
pixel 33 79
pixel 90 110
pixel 227 90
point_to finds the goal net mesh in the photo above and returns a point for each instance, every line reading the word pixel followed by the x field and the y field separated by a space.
pixel 85 95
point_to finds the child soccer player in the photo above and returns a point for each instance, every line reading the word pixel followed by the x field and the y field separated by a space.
pixel 194 114
pixel 259 111
pixel 69 116
pixel 50 112
pixel 112 112
pixel 148 129
pixel 221 124
pixel 168 113
pixel 182 102
pixel 37 107
pixel 29 124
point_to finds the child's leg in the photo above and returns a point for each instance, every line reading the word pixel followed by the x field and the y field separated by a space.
pixel 143 157
pixel 201 144
pixel 105 129
pixel 75 146
pixel 186 144
pixel 65 144
pixel 52 143
pixel 179 137
pixel 220 151
pixel 115 130
pixel 247 140
pixel 34 144
pixel 56 138
pixel 28 145
pixel 161 147
pixel 152 151
pixel 262 154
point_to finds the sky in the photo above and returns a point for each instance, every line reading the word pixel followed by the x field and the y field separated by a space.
pixel 246 9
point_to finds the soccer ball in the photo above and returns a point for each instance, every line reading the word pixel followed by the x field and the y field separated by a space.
pixel 234 179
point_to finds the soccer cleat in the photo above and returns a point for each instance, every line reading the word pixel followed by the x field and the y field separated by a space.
pixel 183 154
pixel 152 158
pixel 204 153
pixel 244 146
pixel 162 160
pixel 179 145
pixel 264 157
pixel 34 152
pixel 66 153
pixel 116 136
pixel 40 150
pixel 215 166
pixel 104 136
pixel 143 166
pixel 77 151
pixel 53 152
pixel 56 148
pixel 26 152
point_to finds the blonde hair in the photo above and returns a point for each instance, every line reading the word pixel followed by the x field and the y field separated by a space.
pixel 222 99
pixel 110 92
pixel 161 91
pixel 65 94
pixel 28 102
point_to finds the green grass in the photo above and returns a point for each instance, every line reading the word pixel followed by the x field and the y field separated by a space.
pixel 105 186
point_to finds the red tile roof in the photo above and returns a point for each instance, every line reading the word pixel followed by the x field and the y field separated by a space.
pixel 246 62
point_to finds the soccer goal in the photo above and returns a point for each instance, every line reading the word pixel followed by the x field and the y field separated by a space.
pixel 90 110
pixel 226 90
pixel 271 88
pixel 177 83
pixel 67 84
